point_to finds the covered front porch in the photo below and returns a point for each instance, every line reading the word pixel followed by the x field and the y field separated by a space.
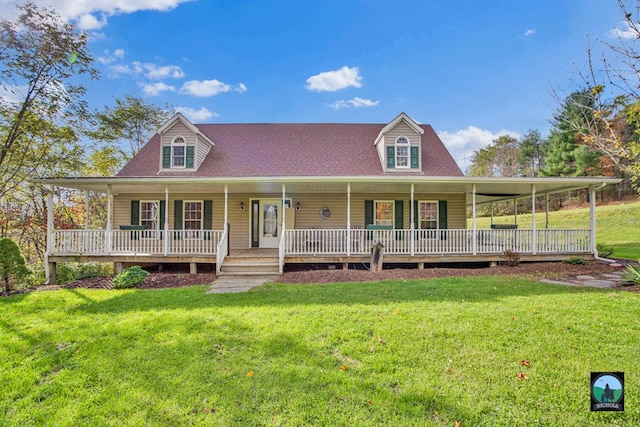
pixel 343 239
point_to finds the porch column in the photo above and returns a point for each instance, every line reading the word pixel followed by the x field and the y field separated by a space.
pixel 348 219
pixel 546 206
pixel 515 211
pixel 109 213
pixel 412 216
pixel 473 219
pixel 165 243
pixel 226 207
pixel 534 243
pixel 284 196
pixel 592 220
pixel 491 209
pixel 50 268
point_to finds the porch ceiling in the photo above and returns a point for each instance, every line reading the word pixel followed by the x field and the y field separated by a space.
pixel 487 189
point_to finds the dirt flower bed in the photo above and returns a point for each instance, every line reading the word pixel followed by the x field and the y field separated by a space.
pixel 538 270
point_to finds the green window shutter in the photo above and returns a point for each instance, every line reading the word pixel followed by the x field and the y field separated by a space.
pixel 162 216
pixel 368 217
pixel 415 163
pixel 166 157
pixel 135 212
pixel 399 215
pixel 416 219
pixel 442 218
pixel 189 160
pixel 399 218
pixel 391 157
pixel 207 221
pixel 177 218
pixel 135 217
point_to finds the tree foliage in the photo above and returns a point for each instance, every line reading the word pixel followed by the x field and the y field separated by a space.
pixel 507 156
pixel 13 269
pixel 125 128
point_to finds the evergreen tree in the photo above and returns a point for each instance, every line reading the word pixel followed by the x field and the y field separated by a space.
pixel 13 269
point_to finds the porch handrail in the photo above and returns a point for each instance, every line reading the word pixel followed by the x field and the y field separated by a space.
pixel 281 251
pixel 221 252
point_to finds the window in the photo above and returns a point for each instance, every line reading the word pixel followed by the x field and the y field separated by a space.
pixel 150 218
pixel 192 219
pixel 178 151
pixel 427 215
pixel 402 152
pixel 383 213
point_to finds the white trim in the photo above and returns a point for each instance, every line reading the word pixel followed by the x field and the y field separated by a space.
pixel 182 145
pixel 407 146
pixel 437 214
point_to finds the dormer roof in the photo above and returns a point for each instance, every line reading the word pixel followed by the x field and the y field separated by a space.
pixel 399 118
pixel 178 117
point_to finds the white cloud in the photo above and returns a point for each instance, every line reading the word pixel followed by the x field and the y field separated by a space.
pixel 108 57
pixel 331 81
pixel 155 89
pixel 206 88
pixel 464 142
pixel 529 33
pixel 623 31
pixel 148 70
pixel 83 12
pixel 356 102
pixel 199 116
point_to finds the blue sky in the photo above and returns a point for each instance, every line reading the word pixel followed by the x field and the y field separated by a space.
pixel 472 69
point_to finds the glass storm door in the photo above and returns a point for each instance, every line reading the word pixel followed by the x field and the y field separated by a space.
pixel 270 223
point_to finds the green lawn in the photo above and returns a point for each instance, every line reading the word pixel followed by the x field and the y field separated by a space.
pixel 617 226
pixel 401 353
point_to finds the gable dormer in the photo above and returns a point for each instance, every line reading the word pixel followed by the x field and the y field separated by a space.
pixel 399 145
pixel 183 146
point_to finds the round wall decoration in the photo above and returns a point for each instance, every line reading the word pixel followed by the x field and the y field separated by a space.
pixel 325 213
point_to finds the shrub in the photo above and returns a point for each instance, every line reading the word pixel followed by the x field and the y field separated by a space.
pixel 512 258
pixel 632 273
pixel 576 261
pixel 13 269
pixel 68 272
pixel 130 278
pixel 604 250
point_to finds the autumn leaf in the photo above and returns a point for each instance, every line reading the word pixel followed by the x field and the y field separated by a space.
pixel 525 362
pixel 381 341
pixel 250 374
pixel 458 424
pixel 523 376
pixel 343 368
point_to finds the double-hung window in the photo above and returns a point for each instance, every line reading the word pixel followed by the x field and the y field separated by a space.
pixel 192 219
pixel 150 218
pixel 383 212
pixel 402 152
pixel 178 152
pixel 428 217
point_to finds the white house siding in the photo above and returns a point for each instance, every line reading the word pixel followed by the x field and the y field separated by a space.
pixel 202 149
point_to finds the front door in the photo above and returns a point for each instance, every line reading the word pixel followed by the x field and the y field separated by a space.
pixel 269 222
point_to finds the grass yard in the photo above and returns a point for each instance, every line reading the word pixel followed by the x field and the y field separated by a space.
pixel 617 226
pixel 401 353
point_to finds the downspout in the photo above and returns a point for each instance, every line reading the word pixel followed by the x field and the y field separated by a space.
pixel 592 223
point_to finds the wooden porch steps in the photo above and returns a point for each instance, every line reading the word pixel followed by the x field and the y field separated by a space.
pixel 250 266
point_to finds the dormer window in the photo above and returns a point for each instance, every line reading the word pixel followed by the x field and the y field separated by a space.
pixel 178 155
pixel 402 152
pixel 178 146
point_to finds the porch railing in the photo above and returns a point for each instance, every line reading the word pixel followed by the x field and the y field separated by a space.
pixel 135 242
pixel 326 242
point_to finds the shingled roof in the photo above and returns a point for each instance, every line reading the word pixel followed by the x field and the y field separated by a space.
pixel 276 150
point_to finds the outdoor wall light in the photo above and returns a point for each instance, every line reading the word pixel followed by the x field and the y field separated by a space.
pixel 241 206
pixel 298 206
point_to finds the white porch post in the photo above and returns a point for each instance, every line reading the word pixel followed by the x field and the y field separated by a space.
pixel 50 268
pixel 534 243
pixel 546 205
pixel 226 207
pixel 165 243
pixel 515 211
pixel 473 219
pixel 284 196
pixel 413 240
pixel 592 221
pixel 109 214
pixel 348 219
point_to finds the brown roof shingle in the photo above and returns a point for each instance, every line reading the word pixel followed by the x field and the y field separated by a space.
pixel 317 149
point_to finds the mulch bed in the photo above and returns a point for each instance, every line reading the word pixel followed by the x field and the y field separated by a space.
pixel 536 270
